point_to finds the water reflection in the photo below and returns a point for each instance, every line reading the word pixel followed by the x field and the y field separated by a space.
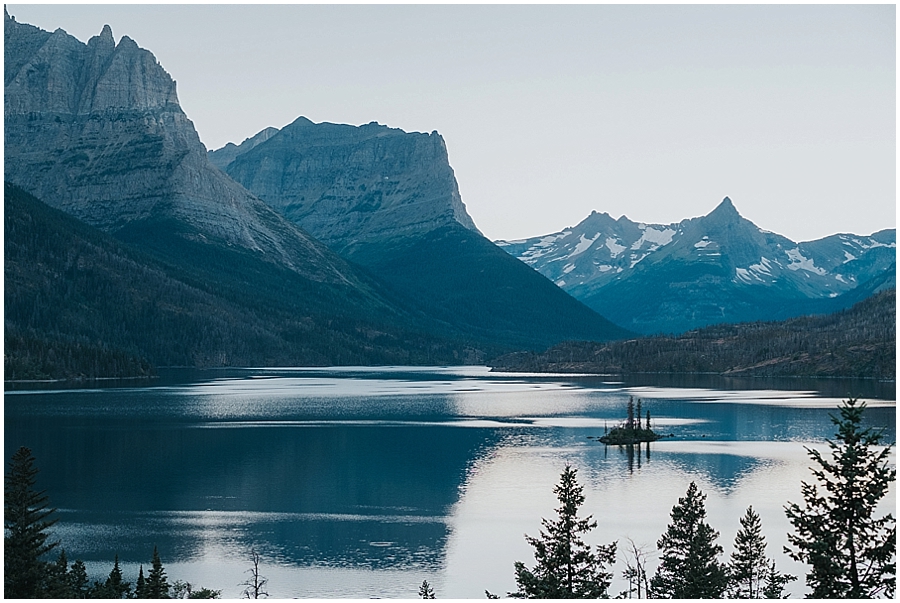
pixel 364 482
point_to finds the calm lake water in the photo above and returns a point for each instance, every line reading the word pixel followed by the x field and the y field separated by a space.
pixel 362 482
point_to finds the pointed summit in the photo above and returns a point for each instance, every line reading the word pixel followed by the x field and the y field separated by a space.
pixel 106 34
pixel 104 39
pixel 725 211
pixel 726 204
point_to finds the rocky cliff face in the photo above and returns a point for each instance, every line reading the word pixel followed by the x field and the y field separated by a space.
pixel 349 185
pixel 96 130
pixel 222 157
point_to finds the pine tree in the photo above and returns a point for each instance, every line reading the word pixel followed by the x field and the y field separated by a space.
pixel 157 586
pixel 775 582
pixel 140 588
pixel 78 580
pixel 26 524
pixel 750 571
pixel 57 584
pixel 689 568
pixel 115 586
pixel 629 422
pixel 566 567
pixel 852 554
pixel 425 591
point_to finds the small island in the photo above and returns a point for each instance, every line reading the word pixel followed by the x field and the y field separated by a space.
pixel 631 432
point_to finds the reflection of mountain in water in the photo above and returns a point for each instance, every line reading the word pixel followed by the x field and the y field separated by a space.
pixel 338 495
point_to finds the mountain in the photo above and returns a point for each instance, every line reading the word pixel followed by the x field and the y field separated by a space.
pixel 96 131
pixel 350 185
pixel 719 268
pixel 388 200
pixel 79 302
pixel 222 157
pixel 858 342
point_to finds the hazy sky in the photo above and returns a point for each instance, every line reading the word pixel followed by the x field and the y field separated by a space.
pixel 550 112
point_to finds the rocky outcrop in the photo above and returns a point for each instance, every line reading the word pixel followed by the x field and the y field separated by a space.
pixel 96 130
pixel 222 157
pixel 350 186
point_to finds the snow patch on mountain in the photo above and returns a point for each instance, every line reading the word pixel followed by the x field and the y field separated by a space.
pixel 656 238
pixel 872 243
pixel 615 248
pixel 542 247
pixel 744 275
pixel 799 262
pixel 702 243
pixel 635 261
pixel 764 267
pixel 849 256
pixel 583 245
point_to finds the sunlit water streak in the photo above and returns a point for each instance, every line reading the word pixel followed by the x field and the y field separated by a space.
pixel 358 482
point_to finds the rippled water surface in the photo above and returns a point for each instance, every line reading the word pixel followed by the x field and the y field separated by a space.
pixel 361 482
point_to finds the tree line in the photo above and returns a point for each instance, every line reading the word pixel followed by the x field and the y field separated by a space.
pixel 857 342
pixel 79 303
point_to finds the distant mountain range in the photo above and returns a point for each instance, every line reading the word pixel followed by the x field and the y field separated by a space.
pixel 719 268
pixel 395 271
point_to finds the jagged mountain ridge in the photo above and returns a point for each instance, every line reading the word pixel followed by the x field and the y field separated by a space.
pixel 96 130
pixel 716 268
pixel 388 200
pixel 222 157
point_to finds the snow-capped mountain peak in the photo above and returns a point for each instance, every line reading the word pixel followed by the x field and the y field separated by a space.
pixel 714 260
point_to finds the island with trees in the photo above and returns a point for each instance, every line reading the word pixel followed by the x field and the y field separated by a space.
pixel 632 431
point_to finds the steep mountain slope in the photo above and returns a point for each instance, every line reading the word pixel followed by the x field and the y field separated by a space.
pixel 858 342
pixel 79 302
pixel 713 269
pixel 388 200
pixel 96 130
pixel 352 185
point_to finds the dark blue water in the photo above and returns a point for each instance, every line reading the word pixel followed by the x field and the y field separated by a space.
pixel 364 482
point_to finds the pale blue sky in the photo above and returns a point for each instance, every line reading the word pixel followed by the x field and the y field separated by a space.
pixel 549 112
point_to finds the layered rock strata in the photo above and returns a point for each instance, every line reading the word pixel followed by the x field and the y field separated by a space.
pixel 350 185
pixel 96 130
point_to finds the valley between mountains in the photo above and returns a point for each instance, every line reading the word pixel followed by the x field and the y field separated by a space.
pixel 130 246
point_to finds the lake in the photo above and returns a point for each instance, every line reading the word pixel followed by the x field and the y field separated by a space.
pixel 362 482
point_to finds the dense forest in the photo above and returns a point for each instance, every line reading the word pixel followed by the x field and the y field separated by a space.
pixel 82 304
pixel 857 342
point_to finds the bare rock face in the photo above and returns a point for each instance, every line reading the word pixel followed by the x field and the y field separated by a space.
pixel 96 130
pixel 222 157
pixel 350 185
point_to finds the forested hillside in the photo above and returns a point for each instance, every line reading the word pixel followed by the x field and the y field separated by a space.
pixel 80 303
pixel 857 342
